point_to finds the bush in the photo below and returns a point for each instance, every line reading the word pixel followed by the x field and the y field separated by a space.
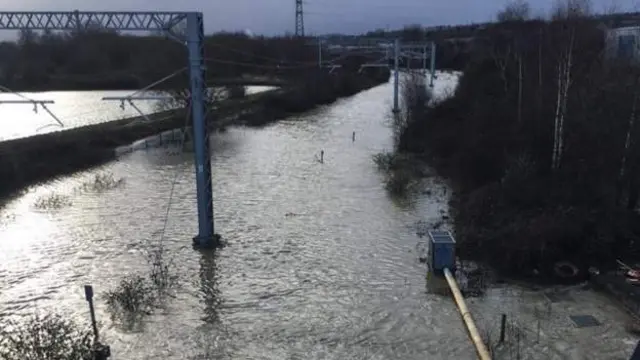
pixel 52 202
pixel 103 182
pixel 133 298
pixel 50 337
pixel 236 92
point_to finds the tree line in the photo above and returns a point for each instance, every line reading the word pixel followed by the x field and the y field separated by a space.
pixel 542 142
pixel 95 58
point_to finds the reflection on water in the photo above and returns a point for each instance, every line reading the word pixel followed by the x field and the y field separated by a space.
pixel 209 287
pixel 72 108
pixel 320 262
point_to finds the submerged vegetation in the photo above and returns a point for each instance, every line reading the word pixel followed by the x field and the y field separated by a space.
pixel 403 170
pixel 131 299
pixel 541 142
pixel 99 183
pixel 40 337
pixel 52 202
pixel 102 182
pixel 136 296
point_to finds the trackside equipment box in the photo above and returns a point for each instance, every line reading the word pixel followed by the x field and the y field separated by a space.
pixel 442 251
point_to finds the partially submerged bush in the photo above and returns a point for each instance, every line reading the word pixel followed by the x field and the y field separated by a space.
pixel 137 296
pixel 131 299
pixel 401 171
pixel 102 182
pixel 161 275
pixel 52 201
pixel 49 337
pixel 398 182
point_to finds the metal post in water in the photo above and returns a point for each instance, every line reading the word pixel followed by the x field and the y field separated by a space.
pixel 503 327
pixel 322 156
pixel 396 69
pixel 424 61
pixel 88 295
pixel 100 351
pixel 433 63
pixel 319 52
pixel 353 136
pixel 206 237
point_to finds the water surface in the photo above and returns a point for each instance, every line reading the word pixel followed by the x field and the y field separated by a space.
pixel 321 262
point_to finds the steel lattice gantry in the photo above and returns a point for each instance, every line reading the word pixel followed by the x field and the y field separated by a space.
pixel 299 19
pixel 149 21
pixel 71 20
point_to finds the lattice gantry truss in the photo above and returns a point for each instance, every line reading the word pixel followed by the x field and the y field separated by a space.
pixel 72 20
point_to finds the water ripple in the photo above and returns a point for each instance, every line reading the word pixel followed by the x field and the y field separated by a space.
pixel 320 263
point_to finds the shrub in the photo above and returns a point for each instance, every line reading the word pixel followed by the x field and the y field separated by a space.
pixel 50 337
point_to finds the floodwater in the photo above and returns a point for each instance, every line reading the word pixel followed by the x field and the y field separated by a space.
pixel 72 109
pixel 321 262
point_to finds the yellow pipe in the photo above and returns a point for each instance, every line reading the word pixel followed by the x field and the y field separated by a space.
pixel 481 349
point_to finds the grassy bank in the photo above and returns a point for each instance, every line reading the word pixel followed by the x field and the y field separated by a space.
pixel 38 158
pixel 541 146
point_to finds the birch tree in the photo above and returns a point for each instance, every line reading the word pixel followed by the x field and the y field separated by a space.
pixel 567 12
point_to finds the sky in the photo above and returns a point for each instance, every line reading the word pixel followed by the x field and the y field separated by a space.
pixel 272 17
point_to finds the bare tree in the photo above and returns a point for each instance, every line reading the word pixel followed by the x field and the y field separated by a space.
pixel 571 9
pixel 517 10
pixel 566 11
pixel 612 8
pixel 564 66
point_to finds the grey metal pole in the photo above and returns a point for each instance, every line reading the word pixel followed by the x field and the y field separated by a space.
pixel 319 52
pixel 433 63
pixel 195 35
pixel 396 71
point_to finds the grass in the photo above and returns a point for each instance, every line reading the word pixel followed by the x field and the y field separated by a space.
pixel 45 337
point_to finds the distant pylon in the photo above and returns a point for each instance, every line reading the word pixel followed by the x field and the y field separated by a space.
pixel 299 19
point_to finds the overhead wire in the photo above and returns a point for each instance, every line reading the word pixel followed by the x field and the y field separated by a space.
pixel 258 66
pixel 348 52
pixel 176 175
pixel 254 55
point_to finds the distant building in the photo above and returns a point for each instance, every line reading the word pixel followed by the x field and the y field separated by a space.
pixel 623 42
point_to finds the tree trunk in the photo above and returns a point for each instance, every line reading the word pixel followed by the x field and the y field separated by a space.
pixel 634 190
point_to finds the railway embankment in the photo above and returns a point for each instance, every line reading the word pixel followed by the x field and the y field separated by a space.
pixel 26 161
